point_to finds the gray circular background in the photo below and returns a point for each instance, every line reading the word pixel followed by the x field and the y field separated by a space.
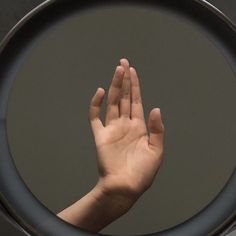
pixel 180 70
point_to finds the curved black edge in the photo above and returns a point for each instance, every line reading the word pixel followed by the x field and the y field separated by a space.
pixel 9 218
pixel 15 195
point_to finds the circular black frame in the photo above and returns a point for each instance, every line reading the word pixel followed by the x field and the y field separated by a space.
pixel 18 204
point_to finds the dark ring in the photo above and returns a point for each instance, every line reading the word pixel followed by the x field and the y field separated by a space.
pixel 18 204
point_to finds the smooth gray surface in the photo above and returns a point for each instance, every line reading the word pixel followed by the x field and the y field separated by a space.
pixel 232 234
pixel 50 136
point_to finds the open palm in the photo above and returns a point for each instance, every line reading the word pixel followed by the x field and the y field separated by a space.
pixel 129 154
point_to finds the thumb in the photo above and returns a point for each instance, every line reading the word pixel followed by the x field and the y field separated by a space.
pixel 156 128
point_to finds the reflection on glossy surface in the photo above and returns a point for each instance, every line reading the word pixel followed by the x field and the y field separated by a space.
pixel 181 72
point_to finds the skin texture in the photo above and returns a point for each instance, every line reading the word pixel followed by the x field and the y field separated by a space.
pixel 129 152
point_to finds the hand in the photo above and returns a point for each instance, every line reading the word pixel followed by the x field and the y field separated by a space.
pixel 128 156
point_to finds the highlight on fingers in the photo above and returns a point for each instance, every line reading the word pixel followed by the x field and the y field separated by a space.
pixel 96 102
pixel 124 61
pixel 136 99
pixel 120 71
pixel 100 92
pixel 114 94
pixel 116 83
pixel 125 106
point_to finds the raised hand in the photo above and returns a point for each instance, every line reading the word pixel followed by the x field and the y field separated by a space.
pixel 128 154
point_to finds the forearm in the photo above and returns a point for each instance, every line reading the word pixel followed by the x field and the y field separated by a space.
pixel 97 209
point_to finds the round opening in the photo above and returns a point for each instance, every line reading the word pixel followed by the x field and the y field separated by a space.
pixel 182 71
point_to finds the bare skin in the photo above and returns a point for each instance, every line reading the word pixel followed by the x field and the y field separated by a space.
pixel 129 153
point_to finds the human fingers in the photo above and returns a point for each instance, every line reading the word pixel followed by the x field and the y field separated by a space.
pixel 94 110
pixel 136 100
pixel 125 105
pixel 156 129
pixel 114 94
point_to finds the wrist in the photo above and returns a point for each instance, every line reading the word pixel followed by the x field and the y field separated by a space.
pixel 118 199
